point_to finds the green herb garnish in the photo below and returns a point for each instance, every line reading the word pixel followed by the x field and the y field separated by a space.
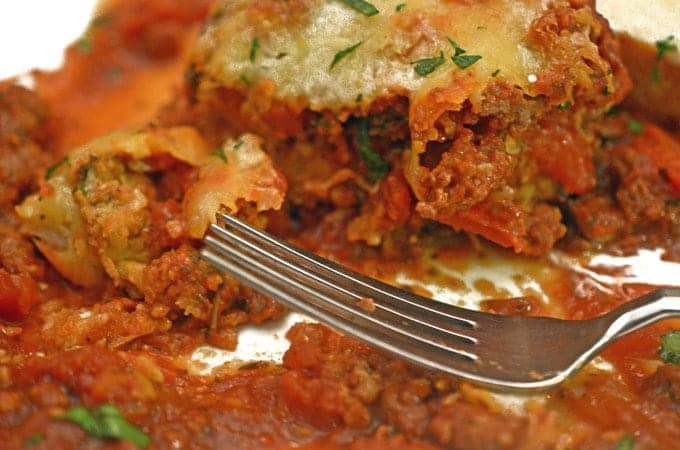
pixel 84 45
pixel 362 6
pixel 625 443
pixel 378 168
pixel 400 7
pixel 426 66
pixel 343 53
pixel 613 111
pixel 84 418
pixel 50 170
pixel 495 72
pixel 670 347
pixel 359 98
pixel 635 126
pixel 34 439
pixel 107 422
pixel 254 47
pixel 459 57
pixel 220 154
pixel 238 144
pixel 245 80
pixel 663 46
pixel 465 61
pixel 564 106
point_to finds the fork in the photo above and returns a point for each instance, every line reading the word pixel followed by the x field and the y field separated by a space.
pixel 499 352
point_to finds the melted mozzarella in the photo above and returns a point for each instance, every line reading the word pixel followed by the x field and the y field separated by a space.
pixel 297 56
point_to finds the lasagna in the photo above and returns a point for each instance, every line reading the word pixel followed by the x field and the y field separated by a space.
pixel 424 101
pixel 380 134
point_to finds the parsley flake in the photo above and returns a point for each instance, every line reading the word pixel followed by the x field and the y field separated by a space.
pixel 663 46
pixel 377 166
pixel 613 111
pixel 343 53
pixel 84 45
pixel 426 66
pixel 495 72
pixel 459 57
pixel 365 8
pixel 465 61
pixel 220 154
pixel 564 106
pixel 245 80
pixel 625 443
pixel 670 347
pixel 400 7
pixel 635 126
pixel 107 422
pixel 34 439
pixel 53 168
pixel 238 145
pixel 254 47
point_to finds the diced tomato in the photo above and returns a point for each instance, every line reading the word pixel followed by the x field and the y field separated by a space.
pixel 397 198
pixel 663 149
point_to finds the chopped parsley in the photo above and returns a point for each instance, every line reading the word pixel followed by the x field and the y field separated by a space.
pixel 365 8
pixel 400 7
pixel 238 145
pixel 359 98
pixel 635 126
pixel 564 106
pixel 613 111
pixel 670 347
pixel 50 170
pixel 377 166
pixel 107 422
pixel 465 61
pixel 34 439
pixel 495 72
pixel 625 443
pixel 663 47
pixel 605 90
pixel 460 58
pixel 426 66
pixel 245 80
pixel 220 154
pixel 84 45
pixel 343 53
pixel 254 47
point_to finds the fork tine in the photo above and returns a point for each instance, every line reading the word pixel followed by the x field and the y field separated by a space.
pixel 365 286
pixel 293 293
pixel 410 314
pixel 334 301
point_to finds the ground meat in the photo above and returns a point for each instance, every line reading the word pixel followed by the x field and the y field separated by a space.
pixel 22 118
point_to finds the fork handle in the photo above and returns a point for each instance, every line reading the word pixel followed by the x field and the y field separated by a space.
pixel 642 311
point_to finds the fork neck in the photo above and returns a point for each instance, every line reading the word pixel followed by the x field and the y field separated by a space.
pixel 642 311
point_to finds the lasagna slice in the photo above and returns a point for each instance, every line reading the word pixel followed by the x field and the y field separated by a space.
pixel 475 114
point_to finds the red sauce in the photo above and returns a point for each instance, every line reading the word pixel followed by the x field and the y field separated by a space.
pixel 62 346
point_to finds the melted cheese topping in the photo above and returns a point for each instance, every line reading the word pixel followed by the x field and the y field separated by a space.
pixel 297 56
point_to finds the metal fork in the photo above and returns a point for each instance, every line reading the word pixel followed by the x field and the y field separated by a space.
pixel 501 352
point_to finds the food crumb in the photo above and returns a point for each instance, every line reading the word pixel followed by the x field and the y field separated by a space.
pixel 366 304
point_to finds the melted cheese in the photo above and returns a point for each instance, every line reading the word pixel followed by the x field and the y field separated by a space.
pixel 297 56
